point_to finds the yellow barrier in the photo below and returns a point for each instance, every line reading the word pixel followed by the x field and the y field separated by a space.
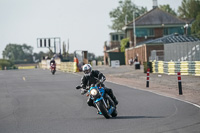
pixel 160 67
pixel 184 68
pixel 26 67
pixel 68 67
pixel 197 68
pixel 171 68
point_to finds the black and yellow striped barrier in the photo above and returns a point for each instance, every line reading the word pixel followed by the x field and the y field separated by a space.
pixel 197 68
pixel 171 68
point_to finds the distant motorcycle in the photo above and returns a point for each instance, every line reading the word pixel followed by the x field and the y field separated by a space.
pixel 102 101
pixel 53 68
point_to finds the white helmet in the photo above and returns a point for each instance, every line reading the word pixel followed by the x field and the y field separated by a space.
pixel 87 68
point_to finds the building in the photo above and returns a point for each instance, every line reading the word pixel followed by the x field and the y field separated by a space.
pixel 113 46
pixel 155 24
pixel 174 47
pixel 152 25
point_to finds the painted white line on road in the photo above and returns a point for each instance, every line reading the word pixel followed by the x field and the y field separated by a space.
pixel 198 106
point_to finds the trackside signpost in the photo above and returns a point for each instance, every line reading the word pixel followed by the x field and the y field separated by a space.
pixel 179 83
pixel 148 71
pixel 49 43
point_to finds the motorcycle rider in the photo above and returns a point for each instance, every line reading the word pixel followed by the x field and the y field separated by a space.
pixel 90 77
pixel 52 61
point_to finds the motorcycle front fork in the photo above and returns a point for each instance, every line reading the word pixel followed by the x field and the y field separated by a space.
pixel 98 106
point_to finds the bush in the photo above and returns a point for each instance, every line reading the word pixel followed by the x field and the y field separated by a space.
pixel 5 63
pixel 146 66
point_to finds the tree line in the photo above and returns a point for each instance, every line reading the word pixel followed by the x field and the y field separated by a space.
pixel 23 54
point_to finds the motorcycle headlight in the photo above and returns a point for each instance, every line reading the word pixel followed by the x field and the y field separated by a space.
pixel 93 92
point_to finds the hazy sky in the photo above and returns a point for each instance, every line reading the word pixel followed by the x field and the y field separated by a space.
pixel 83 22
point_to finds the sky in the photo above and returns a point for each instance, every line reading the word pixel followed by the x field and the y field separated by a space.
pixel 83 22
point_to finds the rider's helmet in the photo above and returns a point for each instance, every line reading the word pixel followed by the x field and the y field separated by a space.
pixel 87 68
pixel 52 59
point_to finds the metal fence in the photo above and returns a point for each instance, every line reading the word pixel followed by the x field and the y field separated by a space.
pixel 185 51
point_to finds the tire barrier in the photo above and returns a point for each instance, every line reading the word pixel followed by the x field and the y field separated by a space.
pixel 62 66
pixel 197 68
pixel 68 67
pixel 166 68
pixel 171 68
pixel 160 67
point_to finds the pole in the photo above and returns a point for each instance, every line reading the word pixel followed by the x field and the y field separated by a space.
pixel 134 44
pixel 60 45
pixel 54 45
pixel 126 19
pixel 134 31
pixel 147 84
pixel 179 84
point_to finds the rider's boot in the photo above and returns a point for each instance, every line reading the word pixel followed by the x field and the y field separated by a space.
pixel 115 100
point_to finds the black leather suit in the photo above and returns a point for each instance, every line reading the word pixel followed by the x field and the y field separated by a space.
pixel 92 79
pixel 52 61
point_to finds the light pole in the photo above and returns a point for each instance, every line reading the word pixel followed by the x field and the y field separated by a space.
pixel 186 28
pixel 126 19
pixel 134 35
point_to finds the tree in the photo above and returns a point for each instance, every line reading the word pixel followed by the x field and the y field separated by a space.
pixel 50 53
pixel 124 44
pixel 196 26
pixel 91 56
pixel 99 58
pixel 64 50
pixel 189 9
pixel 124 10
pixel 39 56
pixel 18 53
pixel 168 9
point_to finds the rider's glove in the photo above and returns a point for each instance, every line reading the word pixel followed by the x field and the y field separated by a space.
pixel 102 80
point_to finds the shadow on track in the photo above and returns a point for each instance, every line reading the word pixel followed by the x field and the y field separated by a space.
pixel 135 117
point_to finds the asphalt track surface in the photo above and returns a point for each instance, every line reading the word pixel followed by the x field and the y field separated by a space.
pixel 34 101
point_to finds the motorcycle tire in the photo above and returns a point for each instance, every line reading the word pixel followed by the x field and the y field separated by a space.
pixel 103 109
pixel 53 72
pixel 111 103
pixel 114 114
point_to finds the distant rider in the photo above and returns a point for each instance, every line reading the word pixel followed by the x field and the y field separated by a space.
pixel 52 61
pixel 90 77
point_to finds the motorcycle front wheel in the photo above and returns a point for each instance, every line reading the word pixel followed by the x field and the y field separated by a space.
pixel 53 72
pixel 103 109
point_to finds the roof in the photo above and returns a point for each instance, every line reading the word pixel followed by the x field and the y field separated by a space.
pixel 157 16
pixel 173 38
